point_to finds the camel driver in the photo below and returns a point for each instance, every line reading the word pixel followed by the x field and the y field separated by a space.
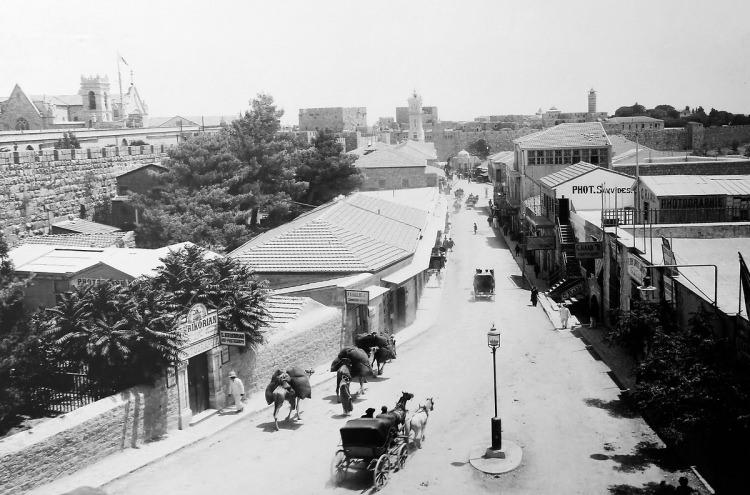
pixel 236 390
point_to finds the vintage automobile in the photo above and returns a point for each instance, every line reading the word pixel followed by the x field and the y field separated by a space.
pixel 484 283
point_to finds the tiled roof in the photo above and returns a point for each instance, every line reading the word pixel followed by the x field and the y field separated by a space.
pixel 390 157
pixel 140 166
pixel 502 157
pixel 568 173
pixel 82 240
pixel 60 100
pixel 698 185
pixel 357 234
pixel 82 226
pixel 574 135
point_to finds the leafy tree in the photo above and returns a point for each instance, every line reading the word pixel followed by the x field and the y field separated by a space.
pixel 735 147
pixel 68 141
pixel 747 151
pixel 631 111
pixel 479 148
pixel 327 171
pixel 634 329
pixel 138 142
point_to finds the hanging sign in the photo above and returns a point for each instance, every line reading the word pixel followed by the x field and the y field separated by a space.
pixel 636 268
pixel 232 338
pixel 357 297
pixel 669 259
pixel 588 250
pixel 538 243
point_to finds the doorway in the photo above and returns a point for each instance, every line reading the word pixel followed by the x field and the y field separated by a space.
pixel 197 372
pixel 400 307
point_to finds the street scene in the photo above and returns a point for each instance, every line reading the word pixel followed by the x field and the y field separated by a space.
pixel 398 248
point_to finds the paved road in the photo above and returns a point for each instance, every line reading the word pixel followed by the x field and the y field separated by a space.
pixel 556 401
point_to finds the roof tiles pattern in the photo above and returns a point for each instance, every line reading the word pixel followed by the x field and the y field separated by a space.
pixel 566 174
pixel 357 234
pixel 82 240
pixel 698 185
pixel 82 226
pixel 573 135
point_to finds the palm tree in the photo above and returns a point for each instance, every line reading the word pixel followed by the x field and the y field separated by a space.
pixel 68 325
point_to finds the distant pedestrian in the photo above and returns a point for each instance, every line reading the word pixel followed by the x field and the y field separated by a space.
pixel 451 244
pixel 236 391
pixel 486 192
pixel 505 229
pixel 684 488
pixel 489 221
pixel 518 250
pixel 490 204
pixel 383 410
pixel 564 315
pixel 534 296
pixel 475 228
pixel 368 412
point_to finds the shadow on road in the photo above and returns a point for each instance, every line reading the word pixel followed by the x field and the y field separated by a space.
pixel 616 408
pixel 270 427
pixel 643 456
pixel 646 489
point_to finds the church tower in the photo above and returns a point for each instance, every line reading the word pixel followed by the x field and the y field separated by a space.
pixel 416 131
pixel 97 106
pixel 592 101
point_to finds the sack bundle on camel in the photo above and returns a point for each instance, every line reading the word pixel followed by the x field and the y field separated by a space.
pixel 291 386
pixel 384 347
pixel 354 363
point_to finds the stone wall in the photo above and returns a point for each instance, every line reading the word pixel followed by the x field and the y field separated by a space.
pixel 35 186
pixel 670 139
pixel 448 143
pixel 67 443
pixel 692 137
pixel 706 166
pixel 713 137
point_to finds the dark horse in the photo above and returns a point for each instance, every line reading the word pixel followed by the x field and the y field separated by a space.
pixel 398 413
pixel 383 345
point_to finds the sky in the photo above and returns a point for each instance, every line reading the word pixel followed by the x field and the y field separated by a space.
pixel 467 57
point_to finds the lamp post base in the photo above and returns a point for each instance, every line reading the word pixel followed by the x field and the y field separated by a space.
pixel 491 461
pixel 491 453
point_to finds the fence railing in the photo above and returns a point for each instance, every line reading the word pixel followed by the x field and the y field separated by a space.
pixel 627 216
pixel 67 390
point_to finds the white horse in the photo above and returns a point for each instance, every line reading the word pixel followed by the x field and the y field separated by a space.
pixel 418 422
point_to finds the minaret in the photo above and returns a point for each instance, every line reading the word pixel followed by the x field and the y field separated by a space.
pixel 592 101
pixel 416 131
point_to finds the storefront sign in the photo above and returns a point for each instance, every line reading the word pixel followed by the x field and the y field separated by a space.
pixel 588 250
pixel 199 328
pixel 232 338
pixel 573 291
pixel 534 243
pixel 669 290
pixel 636 268
pixel 81 282
pixel 601 189
pixel 357 297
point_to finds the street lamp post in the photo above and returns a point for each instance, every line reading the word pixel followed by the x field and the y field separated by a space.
pixel 493 342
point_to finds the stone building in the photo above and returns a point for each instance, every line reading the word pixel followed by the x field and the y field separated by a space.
pixel 638 123
pixel 401 166
pixel 335 119
pixel 93 106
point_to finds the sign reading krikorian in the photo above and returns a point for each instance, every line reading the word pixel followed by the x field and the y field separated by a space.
pixel 588 250
pixel 357 297
pixel 200 330
pixel 232 338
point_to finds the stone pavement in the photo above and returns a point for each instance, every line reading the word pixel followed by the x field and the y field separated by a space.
pixel 129 460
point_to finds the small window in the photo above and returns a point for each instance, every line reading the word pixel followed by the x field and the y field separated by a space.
pixel 92 101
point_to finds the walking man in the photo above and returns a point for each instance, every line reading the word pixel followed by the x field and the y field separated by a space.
pixel 534 296
pixel 518 250
pixel 450 244
pixel 564 315
pixel 475 228
pixel 345 395
pixel 236 391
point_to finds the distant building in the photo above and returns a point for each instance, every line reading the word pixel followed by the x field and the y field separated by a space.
pixel 638 123
pixel 553 116
pixel 335 119
pixel 429 116
pixel 93 106
pixel 416 126
pixel 401 166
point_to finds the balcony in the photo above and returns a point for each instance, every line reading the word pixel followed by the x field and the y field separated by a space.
pixel 628 216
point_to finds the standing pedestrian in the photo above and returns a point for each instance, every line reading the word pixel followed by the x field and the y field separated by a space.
pixel 518 250
pixel 236 391
pixel 475 228
pixel 345 395
pixel 564 315
pixel 451 244
pixel 489 221
pixel 534 296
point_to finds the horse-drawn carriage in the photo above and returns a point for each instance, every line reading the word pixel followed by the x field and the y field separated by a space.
pixel 484 283
pixel 471 200
pixel 437 259
pixel 459 193
pixel 377 444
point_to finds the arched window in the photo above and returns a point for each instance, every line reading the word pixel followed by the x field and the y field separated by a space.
pixel 22 124
pixel 29 148
pixel 124 142
pixel 92 101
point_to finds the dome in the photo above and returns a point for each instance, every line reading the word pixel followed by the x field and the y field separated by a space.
pixel 463 153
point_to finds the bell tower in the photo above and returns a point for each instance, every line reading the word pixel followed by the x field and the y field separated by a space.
pixel 416 130
pixel 97 104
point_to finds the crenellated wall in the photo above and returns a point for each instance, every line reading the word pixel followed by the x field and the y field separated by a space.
pixel 38 185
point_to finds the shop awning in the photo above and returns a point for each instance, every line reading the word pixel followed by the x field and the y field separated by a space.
pixel 376 291
pixel 404 274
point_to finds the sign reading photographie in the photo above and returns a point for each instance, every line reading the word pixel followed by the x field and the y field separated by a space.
pixel 199 328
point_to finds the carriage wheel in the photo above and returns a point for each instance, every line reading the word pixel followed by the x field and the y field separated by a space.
pixel 382 470
pixel 403 454
pixel 339 467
